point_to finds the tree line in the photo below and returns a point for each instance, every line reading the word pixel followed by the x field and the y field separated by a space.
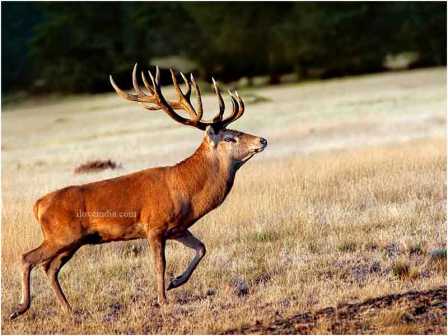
pixel 72 47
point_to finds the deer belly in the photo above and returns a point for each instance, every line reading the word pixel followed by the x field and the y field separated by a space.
pixel 108 230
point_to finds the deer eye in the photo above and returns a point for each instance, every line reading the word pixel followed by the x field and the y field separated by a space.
pixel 229 139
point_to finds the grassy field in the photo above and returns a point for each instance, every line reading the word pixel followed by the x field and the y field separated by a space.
pixel 345 204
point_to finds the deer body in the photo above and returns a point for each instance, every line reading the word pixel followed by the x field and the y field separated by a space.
pixel 166 199
pixel 156 204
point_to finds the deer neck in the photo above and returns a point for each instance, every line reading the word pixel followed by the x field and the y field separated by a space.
pixel 206 178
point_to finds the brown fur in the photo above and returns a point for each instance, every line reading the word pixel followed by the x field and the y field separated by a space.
pixel 162 203
pixel 156 204
pixel 165 199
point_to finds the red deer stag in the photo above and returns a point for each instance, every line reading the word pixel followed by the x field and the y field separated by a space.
pixel 166 201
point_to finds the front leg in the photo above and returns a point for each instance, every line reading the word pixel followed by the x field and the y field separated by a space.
pixel 157 245
pixel 192 242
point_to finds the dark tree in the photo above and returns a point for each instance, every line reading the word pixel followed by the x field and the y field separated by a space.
pixel 18 21
pixel 72 47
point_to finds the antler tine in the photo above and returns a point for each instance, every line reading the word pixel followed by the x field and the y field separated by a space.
pixel 176 86
pixel 168 108
pixel 241 105
pixel 156 98
pixel 187 84
pixel 155 80
pixel 238 109
pixel 157 75
pixel 120 92
pixel 154 85
pixel 135 82
pixel 235 104
pixel 145 82
pixel 198 97
pixel 184 101
pixel 222 106
pixel 140 97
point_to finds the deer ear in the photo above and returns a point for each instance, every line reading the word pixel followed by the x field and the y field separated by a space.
pixel 212 135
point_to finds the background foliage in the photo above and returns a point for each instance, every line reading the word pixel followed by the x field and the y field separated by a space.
pixel 72 47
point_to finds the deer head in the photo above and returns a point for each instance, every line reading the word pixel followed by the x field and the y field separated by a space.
pixel 235 146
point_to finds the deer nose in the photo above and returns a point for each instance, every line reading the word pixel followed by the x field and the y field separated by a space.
pixel 263 141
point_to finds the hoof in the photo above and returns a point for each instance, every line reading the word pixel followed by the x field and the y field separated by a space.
pixel 67 310
pixel 176 282
pixel 163 303
pixel 16 313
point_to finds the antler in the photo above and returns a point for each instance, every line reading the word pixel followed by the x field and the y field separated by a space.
pixel 157 101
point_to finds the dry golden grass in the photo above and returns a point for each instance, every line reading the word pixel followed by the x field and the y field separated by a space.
pixel 300 231
pixel 394 323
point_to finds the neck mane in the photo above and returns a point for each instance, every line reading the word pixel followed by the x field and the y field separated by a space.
pixel 206 178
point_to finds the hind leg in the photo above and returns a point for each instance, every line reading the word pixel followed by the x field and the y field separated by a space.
pixel 30 259
pixel 52 268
